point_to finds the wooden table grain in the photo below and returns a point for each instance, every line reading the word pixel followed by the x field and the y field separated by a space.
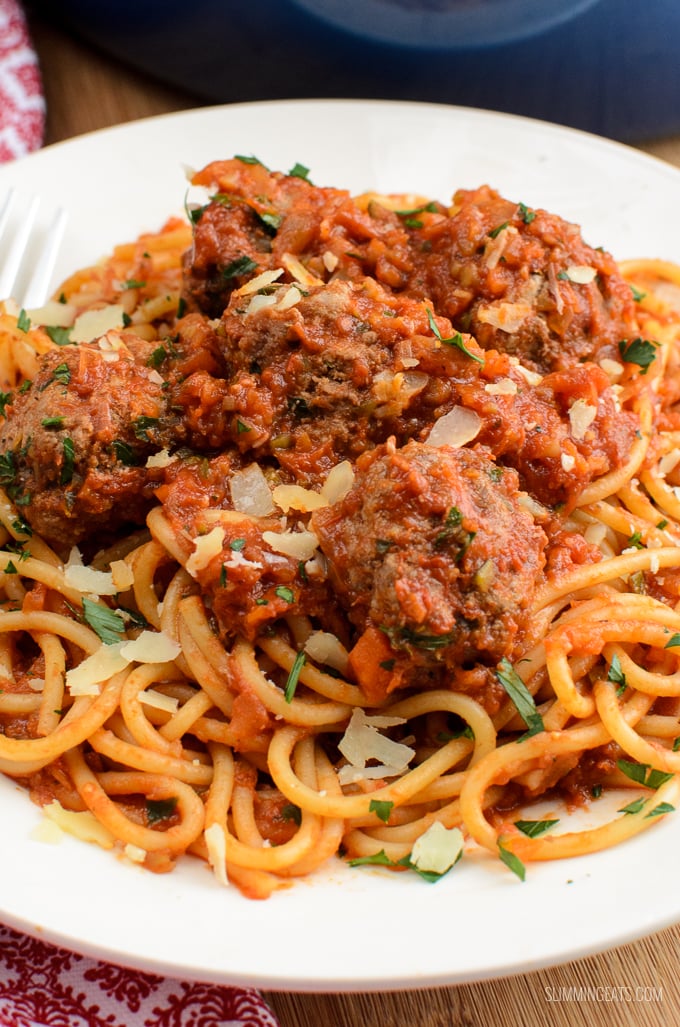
pixel 636 985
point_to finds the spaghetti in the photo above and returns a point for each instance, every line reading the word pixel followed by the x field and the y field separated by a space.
pixel 342 525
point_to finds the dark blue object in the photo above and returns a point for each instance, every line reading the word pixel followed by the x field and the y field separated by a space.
pixel 608 66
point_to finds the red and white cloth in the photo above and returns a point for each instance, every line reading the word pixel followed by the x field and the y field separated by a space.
pixel 45 986
pixel 22 104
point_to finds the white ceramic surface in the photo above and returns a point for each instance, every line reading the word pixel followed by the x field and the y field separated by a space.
pixel 364 928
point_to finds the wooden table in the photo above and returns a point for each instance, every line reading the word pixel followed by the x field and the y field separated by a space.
pixel 637 984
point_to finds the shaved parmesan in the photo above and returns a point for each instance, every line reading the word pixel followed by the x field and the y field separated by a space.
pixel 160 459
pixel 532 377
pixel 362 742
pixel 323 647
pixel 295 497
pixel 299 272
pixel 93 323
pixel 158 701
pixel 54 314
pixel 582 274
pixel 669 462
pixel 216 844
pixel 36 684
pixel 330 261
pixel 612 368
pixel 88 580
pixel 288 298
pixel 438 848
pixel 250 493
pixel 508 317
pixel 206 547
pixel 338 483
pixel 47 831
pixel 568 461
pixel 134 853
pixel 581 416
pixel 100 666
pixel 151 647
pixel 261 281
pixel 83 825
pixel 122 575
pixel 261 301
pixel 301 545
pixel 456 428
pixel 503 387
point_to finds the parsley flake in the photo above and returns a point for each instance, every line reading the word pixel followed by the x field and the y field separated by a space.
pixel 106 623
pixel 520 696
pixel 455 340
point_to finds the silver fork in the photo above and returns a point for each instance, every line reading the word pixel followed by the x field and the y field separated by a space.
pixel 30 239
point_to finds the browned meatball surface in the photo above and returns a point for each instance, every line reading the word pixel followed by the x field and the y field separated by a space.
pixel 433 548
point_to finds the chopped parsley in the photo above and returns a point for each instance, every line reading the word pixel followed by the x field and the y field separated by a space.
pixel 498 229
pixel 299 171
pixel 534 828
pixel 616 675
pixel 674 640
pixel 512 861
pixel 639 351
pixel 240 266
pixel 160 809
pixel 52 422
pixel 237 544
pixel 23 321
pixel 638 295
pixel 62 374
pixel 142 425
pixel 132 283
pixel 8 468
pixel 643 774
pixel 455 340
pixel 106 623
pixel 525 213
pixel 520 696
pixel 69 459
pixel 381 808
pixel 291 812
pixel 125 453
pixel 6 400
pixel 59 336
pixel 294 675
pixel 283 592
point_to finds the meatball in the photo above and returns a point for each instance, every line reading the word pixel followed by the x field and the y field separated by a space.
pixel 522 281
pixel 259 220
pixel 76 440
pixel 335 373
pixel 433 549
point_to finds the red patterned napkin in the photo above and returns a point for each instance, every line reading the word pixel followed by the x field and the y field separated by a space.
pixel 22 105
pixel 45 986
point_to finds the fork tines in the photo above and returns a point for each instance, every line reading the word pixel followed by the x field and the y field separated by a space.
pixel 29 245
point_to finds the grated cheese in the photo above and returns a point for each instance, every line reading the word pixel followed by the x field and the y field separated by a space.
pixel 86 579
pixel 83 825
pixel 503 387
pixel 362 742
pixel 438 848
pixel 324 647
pixel 160 459
pixel 90 672
pixel 581 416
pixel 568 461
pixel 150 647
pixel 250 493
pixel 338 482
pixel 53 313
pixel 206 547
pixel 295 497
pixel 122 575
pixel 216 844
pixel 456 428
pixel 300 545
pixel 92 324
pixel 158 701
pixel 581 274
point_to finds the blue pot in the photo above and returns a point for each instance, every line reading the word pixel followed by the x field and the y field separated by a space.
pixel 608 66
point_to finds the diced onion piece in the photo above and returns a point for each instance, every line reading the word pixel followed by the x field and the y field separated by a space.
pixel 122 575
pixel 362 742
pixel 216 844
pixel 581 416
pixel 83 825
pixel 36 684
pixel 323 647
pixel 438 848
pixel 300 545
pixel 206 547
pixel 338 482
pixel 92 324
pixel 582 274
pixel 100 666
pixel 160 459
pixel 158 701
pixel 508 317
pixel 250 493
pixel 456 428
pixel 503 387
pixel 295 497
pixel 261 281
pixel 54 314
pixel 151 647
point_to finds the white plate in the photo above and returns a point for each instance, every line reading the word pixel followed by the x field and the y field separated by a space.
pixel 344 929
